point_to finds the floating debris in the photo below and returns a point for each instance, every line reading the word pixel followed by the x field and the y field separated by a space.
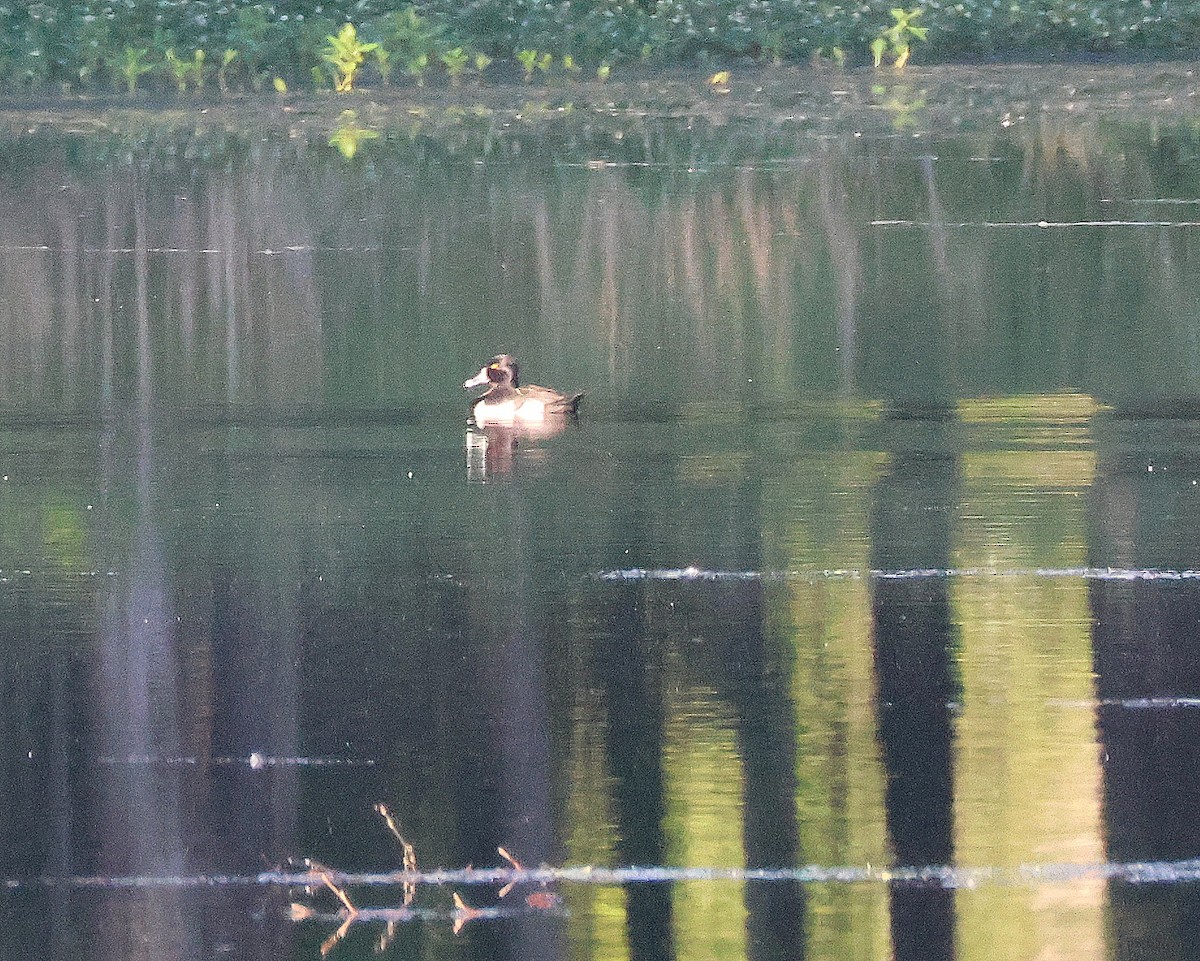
pixel 337 882
pixel 542 900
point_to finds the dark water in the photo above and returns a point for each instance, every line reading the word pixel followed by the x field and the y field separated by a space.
pixel 873 561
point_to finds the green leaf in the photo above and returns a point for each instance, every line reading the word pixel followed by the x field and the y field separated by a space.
pixel 878 46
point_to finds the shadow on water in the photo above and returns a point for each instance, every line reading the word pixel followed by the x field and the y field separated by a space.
pixel 1144 513
pixel 852 619
pixel 915 648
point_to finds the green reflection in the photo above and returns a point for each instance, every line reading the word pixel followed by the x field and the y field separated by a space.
pixel 667 265
pixel 349 135
pixel 773 324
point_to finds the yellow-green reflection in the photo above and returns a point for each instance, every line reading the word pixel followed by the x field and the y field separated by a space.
pixel 350 135
pixel 597 922
pixel 1027 772
pixel 839 776
pixel 704 826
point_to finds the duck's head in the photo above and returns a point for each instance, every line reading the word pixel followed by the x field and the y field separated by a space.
pixel 500 370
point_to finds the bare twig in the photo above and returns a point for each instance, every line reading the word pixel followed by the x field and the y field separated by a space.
pixel 539 900
pixel 463 912
pixel 331 942
pixel 323 874
pixel 410 852
pixel 516 866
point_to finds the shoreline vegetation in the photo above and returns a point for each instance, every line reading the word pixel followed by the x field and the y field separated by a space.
pixel 791 98
pixel 222 47
pixel 762 115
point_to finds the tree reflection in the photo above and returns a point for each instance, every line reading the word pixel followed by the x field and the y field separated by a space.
pixel 915 642
pixel 267 339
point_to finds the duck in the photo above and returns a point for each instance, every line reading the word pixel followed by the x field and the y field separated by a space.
pixel 506 403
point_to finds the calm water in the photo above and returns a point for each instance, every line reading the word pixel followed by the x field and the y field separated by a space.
pixel 873 561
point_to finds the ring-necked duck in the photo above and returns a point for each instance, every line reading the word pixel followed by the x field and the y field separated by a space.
pixel 507 403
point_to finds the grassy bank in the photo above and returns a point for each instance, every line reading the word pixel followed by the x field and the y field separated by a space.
pixel 97 45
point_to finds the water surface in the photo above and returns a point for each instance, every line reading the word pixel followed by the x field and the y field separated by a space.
pixel 856 612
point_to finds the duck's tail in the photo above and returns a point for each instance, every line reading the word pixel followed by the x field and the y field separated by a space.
pixel 570 405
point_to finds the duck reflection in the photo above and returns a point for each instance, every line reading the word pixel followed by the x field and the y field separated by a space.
pixel 492 451
pixel 508 415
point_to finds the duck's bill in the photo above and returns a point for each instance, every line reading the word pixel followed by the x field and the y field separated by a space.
pixel 478 379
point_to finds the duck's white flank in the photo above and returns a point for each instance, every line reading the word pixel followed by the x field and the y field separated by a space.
pixel 529 411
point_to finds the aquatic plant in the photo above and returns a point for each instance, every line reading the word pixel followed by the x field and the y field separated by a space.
pixel 185 71
pixel 408 38
pixel 88 52
pixel 834 54
pixel 878 46
pixel 80 44
pixel 133 66
pixel 251 36
pixel 772 47
pixel 227 58
pixel 896 38
pixel 345 53
pixel 198 71
pixel 383 60
pixel 455 61
pixel 416 68
pixel 528 60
